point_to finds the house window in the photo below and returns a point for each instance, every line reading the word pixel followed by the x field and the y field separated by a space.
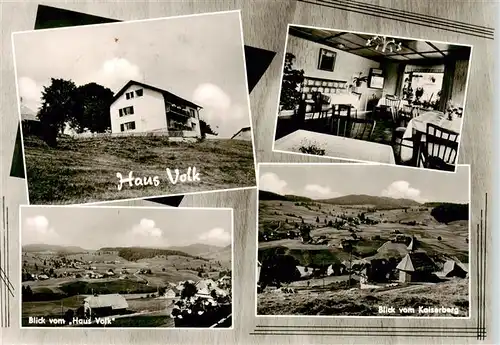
pixel 129 95
pixel 126 111
pixel 127 126
pixel 191 111
pixel 139 92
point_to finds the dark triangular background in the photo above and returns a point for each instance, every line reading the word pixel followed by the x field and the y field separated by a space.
pixel 47 17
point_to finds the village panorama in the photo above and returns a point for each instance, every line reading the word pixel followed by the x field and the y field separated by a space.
pixel 141 285
pixel 360 254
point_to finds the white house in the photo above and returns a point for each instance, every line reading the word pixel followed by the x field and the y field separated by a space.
pixel 139 107
pixel 243 134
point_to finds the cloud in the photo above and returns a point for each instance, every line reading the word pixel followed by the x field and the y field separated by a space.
pixel 211 96
pixel 315 191
pixel 219 111
pixel 216 236
pixel 30 92
pixel 37 230
pixel 147 227
pixel 402 189
pixel 272 183
pixel 114 73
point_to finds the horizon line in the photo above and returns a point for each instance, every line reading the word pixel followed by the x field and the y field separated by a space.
pixel 352 194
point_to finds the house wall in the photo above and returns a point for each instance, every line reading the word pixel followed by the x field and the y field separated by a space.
pixel 404 277
pixel 346 67
pixel 193 122
pixel 149 111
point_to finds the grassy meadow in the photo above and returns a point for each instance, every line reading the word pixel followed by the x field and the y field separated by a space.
pixel 83 170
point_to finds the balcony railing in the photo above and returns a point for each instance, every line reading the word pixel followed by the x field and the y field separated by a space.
pixel 178 111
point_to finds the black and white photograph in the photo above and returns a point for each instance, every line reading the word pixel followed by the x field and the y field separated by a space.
pixel 372 98
pixel 363 240
pixel 126 267
pixel 136 109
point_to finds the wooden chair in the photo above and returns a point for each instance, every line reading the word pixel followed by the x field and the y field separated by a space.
pixel 439 151
pixel 338 125
pixel 405 114
pixel 361 129
pixel 354 107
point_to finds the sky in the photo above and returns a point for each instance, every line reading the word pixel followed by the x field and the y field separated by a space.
pixel 199 58
pixel 97 227
pixel 331 181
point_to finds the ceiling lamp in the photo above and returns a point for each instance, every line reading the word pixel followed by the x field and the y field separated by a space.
pixel 384 44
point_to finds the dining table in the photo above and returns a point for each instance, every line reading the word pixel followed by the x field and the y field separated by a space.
pixel 335 147
pixel 417 129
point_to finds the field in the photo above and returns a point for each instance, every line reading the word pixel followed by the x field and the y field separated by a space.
pixel 84 170
pixel 283 214
pixel 324 294
pixel 449 294
pixel 139 281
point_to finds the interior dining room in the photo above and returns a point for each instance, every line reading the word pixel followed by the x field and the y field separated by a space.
pixel 370 97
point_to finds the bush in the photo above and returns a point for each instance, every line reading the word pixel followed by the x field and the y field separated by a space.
pixel 446 213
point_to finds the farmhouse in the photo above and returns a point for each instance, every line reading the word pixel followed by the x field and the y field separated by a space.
pixel 205 285
pixel 243 134
pixel 416 266
pixel 111 304
pixel 305 271
pixel 171 293
pixel 29 120
pixel 139 107
pixel 452 268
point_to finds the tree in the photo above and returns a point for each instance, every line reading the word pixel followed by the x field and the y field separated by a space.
pixel 446 212
pixel 58 105
pixel 189 290
pixel 292 78
pixel 279 268
pixel 93 102
pixel 27 293
pixel 163 269
pixel 161 291
pixel 68 316
pixel 439 238
pixel 305 233
pixel 317 219
pixel 206 129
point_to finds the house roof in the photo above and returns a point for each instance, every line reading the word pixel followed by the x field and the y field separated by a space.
pixel 27 114
pixel 115 301
pixel 173 289
pixel 451 265
pixel 205 284
pixel 244 129
pixel 417 262
pixel 166 94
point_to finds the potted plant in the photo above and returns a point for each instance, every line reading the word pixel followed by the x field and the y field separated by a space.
pixel 290 86
pixel 359 79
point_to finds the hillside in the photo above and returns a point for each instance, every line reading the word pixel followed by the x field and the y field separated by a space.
pixel 39 248
pixel 83 170
pixel 222 255
pixel 266 195
pixel 378 202
pixel 137 253
pixel 197 249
